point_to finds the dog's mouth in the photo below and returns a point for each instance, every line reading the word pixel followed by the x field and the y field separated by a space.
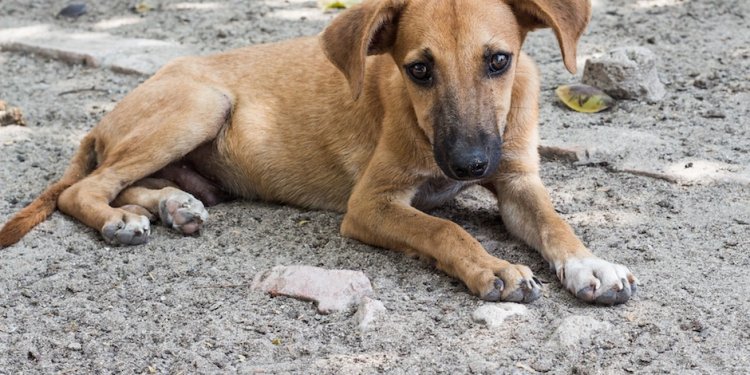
pixel 461 159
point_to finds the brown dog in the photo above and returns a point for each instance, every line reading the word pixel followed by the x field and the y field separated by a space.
pixel 446 99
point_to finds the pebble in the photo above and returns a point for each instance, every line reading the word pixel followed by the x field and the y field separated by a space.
pixel 577 329
pixel 331 290
pixel 626 73
pixel 74 10
pixel 493 315
pixel 368 312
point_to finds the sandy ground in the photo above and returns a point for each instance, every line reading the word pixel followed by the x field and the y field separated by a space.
pixel 71 304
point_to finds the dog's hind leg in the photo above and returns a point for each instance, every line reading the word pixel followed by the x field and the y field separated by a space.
pixel 175 208
pixel 149 129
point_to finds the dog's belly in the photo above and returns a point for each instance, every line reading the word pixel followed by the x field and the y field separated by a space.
pixel 436 191
pixel 291 167
pixel 300 184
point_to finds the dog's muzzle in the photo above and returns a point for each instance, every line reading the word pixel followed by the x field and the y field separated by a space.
pixel 462 160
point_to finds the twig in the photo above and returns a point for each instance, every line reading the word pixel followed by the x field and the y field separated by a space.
pixel 558 153
pixel 223 286
pixel 655 175
pixel 77 91
pixel 570 156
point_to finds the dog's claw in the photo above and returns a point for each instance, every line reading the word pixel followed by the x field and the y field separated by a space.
pixel 528 291
pixel 129 230
pixel 514 283
pixel 586 294
pixel 496 293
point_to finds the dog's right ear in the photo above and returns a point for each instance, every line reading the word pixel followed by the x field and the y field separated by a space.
pixel 366 29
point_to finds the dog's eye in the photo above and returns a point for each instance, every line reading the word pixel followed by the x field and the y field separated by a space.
pixel 419 72
pixel 499 63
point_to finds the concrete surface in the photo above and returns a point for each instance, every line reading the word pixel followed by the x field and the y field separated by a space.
pixel 71 304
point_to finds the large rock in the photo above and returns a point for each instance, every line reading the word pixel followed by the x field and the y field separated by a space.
pixel 625 73
pixel 331 290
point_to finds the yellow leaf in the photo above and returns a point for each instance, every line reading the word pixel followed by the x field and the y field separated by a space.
pixel 336 4
pixel 584 98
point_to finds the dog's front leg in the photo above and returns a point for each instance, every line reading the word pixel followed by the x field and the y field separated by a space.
pixel 527 210
pixel 528 213
pixel 380 214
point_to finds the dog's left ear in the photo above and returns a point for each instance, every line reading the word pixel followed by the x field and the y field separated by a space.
pixel 568 18
pixel 365 29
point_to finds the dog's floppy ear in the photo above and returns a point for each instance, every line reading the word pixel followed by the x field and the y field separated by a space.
pixel 365 29
pixel 568 18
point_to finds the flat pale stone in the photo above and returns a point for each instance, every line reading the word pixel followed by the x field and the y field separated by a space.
pixel 493 315
pixel 125 55
pixel 331 290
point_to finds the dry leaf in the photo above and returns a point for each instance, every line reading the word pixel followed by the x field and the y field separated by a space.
pixel 336 4
pixel 584 98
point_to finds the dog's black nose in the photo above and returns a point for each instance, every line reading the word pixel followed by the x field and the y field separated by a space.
pixel 472 166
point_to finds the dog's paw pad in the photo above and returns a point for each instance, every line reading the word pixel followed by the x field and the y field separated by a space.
pixel 129 230
pixel 596 280
pixel 182 212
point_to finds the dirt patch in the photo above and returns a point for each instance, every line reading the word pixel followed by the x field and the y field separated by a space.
pixel 71 304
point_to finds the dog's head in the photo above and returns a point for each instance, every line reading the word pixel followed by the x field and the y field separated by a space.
pixel 457 59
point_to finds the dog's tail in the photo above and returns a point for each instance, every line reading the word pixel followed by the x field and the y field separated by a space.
pixel 82 164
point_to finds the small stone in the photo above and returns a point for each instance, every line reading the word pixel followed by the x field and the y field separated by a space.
pixel 626 73
pixel 693 325
pixel 332 290
pixel 75 346
pixel 493 315
pixel 706 81
pixel 10 115
pixel 578 328
pixel 74 10
pixel 712 113
pixel 369 310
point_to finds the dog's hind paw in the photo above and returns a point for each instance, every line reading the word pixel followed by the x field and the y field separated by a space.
pixel 182 212
pixel 130 229
pixel 595 280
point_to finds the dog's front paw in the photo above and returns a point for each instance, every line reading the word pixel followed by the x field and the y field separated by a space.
pixel 130 229
pixel 511 283
pixel 182 212
pixel 595 280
